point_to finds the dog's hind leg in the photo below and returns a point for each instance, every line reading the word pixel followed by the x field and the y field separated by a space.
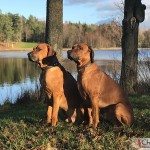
pixel 124 114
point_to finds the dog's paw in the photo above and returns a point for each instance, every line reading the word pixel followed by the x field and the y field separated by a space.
pixel 48 121
pixel 67 120
pixel 54 121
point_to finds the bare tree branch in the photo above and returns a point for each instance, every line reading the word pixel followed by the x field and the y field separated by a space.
pixel 120 5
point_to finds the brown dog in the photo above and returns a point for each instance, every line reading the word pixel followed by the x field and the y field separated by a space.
pixel 58 84
pixel 98 89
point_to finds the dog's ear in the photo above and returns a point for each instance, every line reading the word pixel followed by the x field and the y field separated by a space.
pixel 91 54
pixel 51 51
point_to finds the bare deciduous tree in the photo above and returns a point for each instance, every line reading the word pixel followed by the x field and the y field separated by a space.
pixel 120 5
pixel 54 24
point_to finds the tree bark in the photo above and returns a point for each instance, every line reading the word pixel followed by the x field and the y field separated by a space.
pixel 54 25
pixel 134 13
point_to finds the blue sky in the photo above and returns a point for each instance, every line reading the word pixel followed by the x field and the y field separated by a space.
pixel 85 11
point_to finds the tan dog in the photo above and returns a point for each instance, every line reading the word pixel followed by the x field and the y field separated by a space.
pixel 98 89
pixel 58 84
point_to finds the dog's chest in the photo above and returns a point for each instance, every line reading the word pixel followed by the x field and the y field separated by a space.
pixel 44 86
pixel 82 88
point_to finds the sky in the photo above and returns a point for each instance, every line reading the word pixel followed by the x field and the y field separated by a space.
pixel 84 11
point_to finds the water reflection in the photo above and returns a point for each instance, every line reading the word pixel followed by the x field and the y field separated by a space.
pixel 18 73
pixel 16 70
pixel 111 67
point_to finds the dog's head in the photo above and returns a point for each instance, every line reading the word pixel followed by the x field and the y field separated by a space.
pixel 40 52
pixel 81 54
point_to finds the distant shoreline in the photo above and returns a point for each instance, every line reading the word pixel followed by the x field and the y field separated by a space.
pixel 64 49
pixel 15 49
pixel 28 46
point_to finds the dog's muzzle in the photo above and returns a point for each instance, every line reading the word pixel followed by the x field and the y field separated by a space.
pixel 71 56
pixel 32 58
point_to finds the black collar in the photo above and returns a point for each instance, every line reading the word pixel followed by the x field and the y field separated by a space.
pixel 49 67
pixel 84 66
pixel 50 61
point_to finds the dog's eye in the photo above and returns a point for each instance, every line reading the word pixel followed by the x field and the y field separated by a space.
pixel 77 47
pixel 38 49
pixel 80 48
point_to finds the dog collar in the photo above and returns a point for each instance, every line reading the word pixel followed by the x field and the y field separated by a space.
pixel 50 61
pixel 49 67
pixel 84 66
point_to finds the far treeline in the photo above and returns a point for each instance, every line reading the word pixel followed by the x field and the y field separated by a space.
pixel 16 28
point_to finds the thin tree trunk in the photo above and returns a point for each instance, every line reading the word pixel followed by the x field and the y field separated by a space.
pixel 54 25
pixel 133 15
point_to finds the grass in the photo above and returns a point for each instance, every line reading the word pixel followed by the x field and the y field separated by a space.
pixel 23 126
pixel 17 46
pixel 24 45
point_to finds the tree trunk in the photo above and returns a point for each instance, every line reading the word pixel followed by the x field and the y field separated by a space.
pixel 54 25
pixel 133 14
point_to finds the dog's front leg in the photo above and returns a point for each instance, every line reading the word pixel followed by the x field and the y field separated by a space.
pixel 90 116
pixel 56 102
pixel 50 108
pixel 49 114
pixel 95 112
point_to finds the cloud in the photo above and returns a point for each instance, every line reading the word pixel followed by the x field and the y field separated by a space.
pixel 77 2
pixel 106 9
pixel 90 2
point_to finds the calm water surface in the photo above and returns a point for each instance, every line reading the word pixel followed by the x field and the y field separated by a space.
pixel 18 74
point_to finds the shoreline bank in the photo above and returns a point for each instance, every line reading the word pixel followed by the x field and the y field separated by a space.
pixel 65 49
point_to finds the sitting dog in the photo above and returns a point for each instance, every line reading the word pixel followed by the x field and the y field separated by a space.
pixel 98 89
pixel 59 85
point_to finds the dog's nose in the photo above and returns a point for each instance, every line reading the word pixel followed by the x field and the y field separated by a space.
pixel 69 52
pixel 29 54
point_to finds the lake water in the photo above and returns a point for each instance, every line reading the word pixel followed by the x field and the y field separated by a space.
pixel 18 74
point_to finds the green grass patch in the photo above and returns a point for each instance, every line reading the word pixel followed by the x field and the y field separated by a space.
pixel 23 126
pixel 24 45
